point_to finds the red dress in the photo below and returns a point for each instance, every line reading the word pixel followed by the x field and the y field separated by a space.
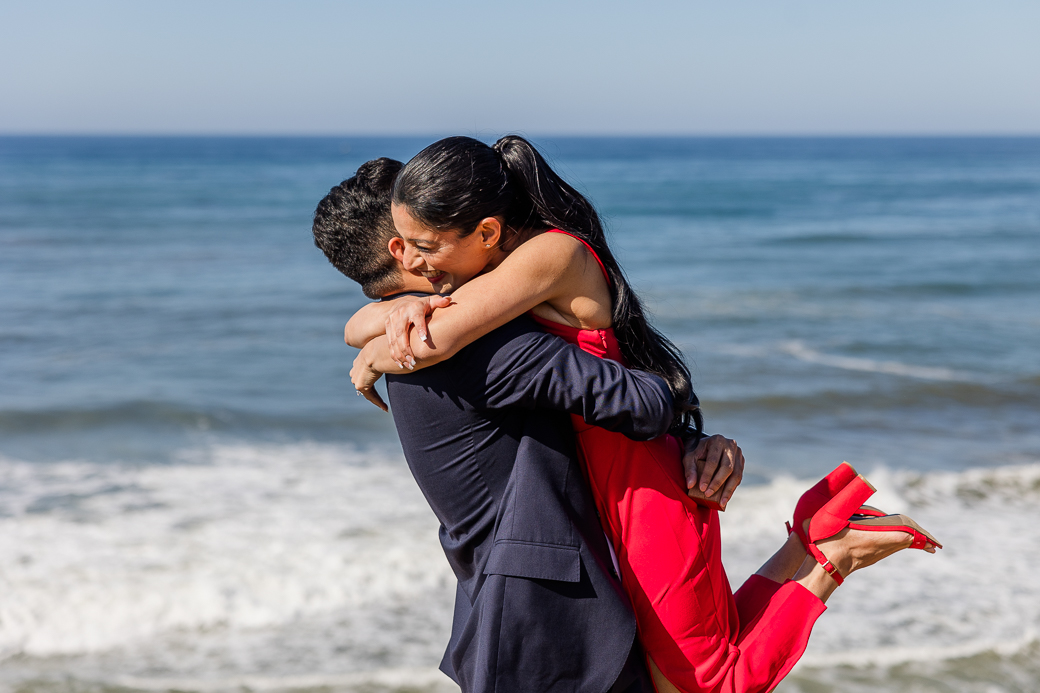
pixel 699 634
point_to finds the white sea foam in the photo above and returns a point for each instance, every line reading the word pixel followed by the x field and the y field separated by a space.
pixel 426 679
pixel 799 350
pixel 978 594
pixel 301 566
pixel 803 353
pixel 229 562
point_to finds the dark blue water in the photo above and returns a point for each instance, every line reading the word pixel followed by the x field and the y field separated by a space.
pixel 158 288
pixel 192 498
pixel 153 290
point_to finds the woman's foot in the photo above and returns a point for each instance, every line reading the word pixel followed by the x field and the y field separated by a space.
pixel 841 514
pixel 848 551
pixel 853 549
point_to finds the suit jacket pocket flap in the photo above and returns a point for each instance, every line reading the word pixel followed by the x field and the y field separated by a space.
pixel 534 561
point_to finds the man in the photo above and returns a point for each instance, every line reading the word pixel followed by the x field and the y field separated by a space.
pixel 486 435
pixel 353 226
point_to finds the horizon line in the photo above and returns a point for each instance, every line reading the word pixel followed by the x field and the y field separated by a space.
pixel 547 134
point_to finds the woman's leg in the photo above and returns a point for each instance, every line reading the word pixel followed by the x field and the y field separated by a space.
pixel 786 613
pixel 669 552
pixel 757 590
pixel 696 634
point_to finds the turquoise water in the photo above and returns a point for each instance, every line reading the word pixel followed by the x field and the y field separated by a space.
pixel 193 496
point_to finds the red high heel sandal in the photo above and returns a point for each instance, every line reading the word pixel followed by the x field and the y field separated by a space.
pixel 843 511
pixel 896 523
pixel 819 495
pixel 834 516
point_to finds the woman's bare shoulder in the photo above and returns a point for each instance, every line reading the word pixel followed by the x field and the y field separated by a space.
pixel 580 295
pixel 549 252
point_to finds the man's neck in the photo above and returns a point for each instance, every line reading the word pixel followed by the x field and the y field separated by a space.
pixel 412 284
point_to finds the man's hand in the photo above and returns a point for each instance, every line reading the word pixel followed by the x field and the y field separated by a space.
pixel 364 378
pixel 714 469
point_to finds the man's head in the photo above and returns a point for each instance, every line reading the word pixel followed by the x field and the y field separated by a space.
pixel 353 227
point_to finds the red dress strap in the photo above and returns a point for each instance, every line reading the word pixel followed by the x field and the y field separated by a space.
pixel 585 243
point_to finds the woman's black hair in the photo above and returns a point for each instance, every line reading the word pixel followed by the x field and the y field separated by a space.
pixel 455 183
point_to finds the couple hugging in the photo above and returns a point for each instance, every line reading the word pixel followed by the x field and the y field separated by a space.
pixel 585 561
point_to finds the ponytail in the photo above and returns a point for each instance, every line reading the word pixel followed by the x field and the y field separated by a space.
pixel 458 181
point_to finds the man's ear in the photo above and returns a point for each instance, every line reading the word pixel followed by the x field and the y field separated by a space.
pixel 490 230
pixel 396 248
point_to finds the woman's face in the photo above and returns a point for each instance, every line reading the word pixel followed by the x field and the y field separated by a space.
pixel 442 257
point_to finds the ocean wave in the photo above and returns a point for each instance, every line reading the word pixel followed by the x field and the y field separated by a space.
pixel 390 680
pixel 978 594
pixel 920 387
pixel 800 351
pixel 925 398
pixel 893 657
pixel 986 669
pixel 285 567
pixel 803 353
pixel 153 431
pixel 141 414
pixel 832 238
pixel 97 557
pixel 424 680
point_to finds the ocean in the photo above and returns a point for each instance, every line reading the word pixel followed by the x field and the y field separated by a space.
pixel 193 499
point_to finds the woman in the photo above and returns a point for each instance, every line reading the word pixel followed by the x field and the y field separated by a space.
pixel 500 231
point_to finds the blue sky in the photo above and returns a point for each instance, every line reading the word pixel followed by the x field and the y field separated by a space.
pixel 603 67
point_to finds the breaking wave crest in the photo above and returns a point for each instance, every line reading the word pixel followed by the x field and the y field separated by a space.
pixel 309 565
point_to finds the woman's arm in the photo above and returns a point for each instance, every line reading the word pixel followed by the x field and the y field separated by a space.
pixel 551 267
pixel 371 321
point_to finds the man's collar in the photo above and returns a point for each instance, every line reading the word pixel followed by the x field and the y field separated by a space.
pixel 419 294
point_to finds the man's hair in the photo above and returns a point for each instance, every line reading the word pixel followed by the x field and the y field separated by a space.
pixel 352 226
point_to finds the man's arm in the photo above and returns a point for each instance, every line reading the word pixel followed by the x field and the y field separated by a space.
pixel 549 373
pixel 530 369
pixel 546 372
pixel 367 323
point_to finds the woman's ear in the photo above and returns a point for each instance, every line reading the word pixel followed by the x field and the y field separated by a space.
pixel 396 248
pixel 490 230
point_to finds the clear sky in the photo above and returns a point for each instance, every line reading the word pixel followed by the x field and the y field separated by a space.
pixel 540 67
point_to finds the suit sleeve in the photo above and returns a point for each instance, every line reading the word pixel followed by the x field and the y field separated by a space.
pixel 536 370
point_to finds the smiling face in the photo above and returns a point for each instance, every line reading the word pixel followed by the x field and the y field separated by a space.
pixel 442 257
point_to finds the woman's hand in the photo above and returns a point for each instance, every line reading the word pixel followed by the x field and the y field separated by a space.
pixel 364 376
pixel 409 311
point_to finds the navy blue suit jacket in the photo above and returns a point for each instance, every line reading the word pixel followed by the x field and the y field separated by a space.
pixel 487 436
